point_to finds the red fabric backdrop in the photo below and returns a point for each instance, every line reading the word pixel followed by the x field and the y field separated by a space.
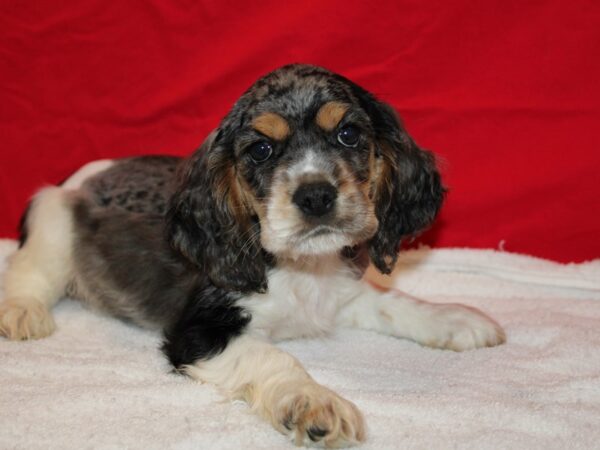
pixel 506 92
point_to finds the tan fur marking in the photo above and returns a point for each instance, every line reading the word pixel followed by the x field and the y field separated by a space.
pixel 354 201
pixel 231 196
pixel 282 200
pixel 382 175
pixel 373 173
pixel 386 316
pixel 272 125
pixel 330 115
pixel 348 185
pixel 250 199
pixel 22 319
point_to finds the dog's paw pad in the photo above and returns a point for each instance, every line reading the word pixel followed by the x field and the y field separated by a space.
pixel 316 434
pixel 459 328
pixel 319 417
pixel 22 319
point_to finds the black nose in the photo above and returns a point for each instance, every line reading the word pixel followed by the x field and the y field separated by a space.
pixel 315 199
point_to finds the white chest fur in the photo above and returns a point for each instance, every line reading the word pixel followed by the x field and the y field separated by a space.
pixel 303 299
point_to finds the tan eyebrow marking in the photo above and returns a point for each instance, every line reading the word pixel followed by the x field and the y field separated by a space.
pixel 330 115
pixel 272 125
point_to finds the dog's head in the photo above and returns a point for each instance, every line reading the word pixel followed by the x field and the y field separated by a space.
pixel 306 163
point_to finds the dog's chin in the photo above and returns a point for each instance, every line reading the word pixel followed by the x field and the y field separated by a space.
pixel 315 242
pixel 321 243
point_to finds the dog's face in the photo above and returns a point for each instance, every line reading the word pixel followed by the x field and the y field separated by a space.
pixel 306 163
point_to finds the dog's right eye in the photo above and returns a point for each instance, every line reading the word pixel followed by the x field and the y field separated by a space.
pixel 260 151
pixel 348 136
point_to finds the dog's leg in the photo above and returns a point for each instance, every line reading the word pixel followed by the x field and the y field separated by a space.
pixel 448 326
pixel 38 273
pixel 278 388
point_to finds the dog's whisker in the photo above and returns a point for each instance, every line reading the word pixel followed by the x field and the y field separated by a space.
pixel 248 243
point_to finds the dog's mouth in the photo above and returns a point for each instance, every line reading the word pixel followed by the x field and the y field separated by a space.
pixel 286 233
pixel 322 239
pixel 319 230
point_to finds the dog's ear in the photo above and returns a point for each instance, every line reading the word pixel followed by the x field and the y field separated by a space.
pixel 211 223
pixel 407 190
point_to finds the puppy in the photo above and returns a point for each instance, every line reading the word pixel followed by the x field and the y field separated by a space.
pixel 261 235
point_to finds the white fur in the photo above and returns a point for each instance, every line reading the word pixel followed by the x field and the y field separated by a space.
pixel 311 296
pixel 87 171
pixel 447 326
pixel 303 299
pixel 278 388
pixel 312 164
pixel 283 234
pixel 38 273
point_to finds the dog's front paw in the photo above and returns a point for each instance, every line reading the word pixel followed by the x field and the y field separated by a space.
pixel 459 328
pixel 316 416
pixel 22 319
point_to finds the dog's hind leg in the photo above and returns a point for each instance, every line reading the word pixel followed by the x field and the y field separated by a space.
pixel 39 272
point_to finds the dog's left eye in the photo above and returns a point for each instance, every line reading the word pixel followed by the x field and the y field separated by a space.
pixel 348 136
pixel 260 151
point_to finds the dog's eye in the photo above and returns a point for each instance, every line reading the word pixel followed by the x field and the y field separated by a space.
pixel 260 151
pixel 348 136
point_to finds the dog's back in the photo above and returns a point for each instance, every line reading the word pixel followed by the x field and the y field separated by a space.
pixel 113 232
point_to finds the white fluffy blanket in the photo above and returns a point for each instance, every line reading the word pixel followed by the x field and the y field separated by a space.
pixel 100 383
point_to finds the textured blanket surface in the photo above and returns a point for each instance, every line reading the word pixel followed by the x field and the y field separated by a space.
pixel 101 383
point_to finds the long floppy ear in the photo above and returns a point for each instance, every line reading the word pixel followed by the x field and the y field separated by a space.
pixel 212 225
pixel 408 191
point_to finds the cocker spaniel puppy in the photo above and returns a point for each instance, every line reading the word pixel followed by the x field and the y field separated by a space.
pixel 263 234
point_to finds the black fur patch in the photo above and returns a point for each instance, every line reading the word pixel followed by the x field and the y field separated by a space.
pixel 209 230
pixel 128 269
pixel 208 322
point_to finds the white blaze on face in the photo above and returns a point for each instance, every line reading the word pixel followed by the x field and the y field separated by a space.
pixel 313 167
pixel 307 166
